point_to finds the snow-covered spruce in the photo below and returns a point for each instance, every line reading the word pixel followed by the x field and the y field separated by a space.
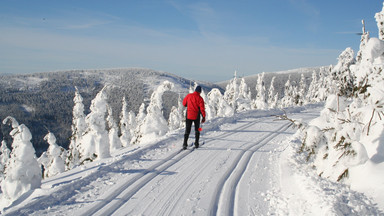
pixel 95 142
pixel 113 130
pixel 23 172
pixel 176 117
pixel 53 160
pixel 260 101
pixel 125 127
pixel 4 158
pixel 154 123
pixel 78 129
pixel 346 143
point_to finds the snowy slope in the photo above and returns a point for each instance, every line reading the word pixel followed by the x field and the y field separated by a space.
pixel 247 166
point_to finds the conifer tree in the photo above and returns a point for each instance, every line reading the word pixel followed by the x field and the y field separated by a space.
pixel 232 92
pixel 243 102
pixel 288 99
pixel 176 116
pixel 220 106
pixel 95 143
pixel 342 74
pixel 301 91
pixel 312 93
pixel 208 108
pixel 272 95
pixel 114 139
pixel 53 160
pixel 4 158
pixel 23 172
pixel 154 123
pixel 78 129
pixel 380 23
pixel 126 135
pixel 260 101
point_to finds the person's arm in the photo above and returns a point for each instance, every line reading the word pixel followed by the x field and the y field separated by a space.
pixel 185 101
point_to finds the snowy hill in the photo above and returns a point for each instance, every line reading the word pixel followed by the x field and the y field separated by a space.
pixel 246 166
pixel 44 101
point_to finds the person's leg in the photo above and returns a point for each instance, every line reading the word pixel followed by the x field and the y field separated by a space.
pixel 188 126
pixel 197 132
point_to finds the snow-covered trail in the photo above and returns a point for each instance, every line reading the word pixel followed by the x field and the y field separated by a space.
pixel 209 180
pixel 238 171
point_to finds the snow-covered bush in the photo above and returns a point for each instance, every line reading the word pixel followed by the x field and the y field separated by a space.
pixel 53 160
pixel 23 172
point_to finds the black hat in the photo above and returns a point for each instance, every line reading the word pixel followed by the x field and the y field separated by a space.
pixel 198 89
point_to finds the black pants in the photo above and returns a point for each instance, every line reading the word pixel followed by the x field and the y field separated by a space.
pixel 188 128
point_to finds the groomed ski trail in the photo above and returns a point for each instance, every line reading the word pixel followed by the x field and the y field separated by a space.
pixel 165 187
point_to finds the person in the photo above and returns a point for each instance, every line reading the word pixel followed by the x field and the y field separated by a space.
pixel 195 108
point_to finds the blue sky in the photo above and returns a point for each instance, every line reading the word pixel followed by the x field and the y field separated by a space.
pixel 202 40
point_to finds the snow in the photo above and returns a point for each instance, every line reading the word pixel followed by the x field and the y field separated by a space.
pixel 248 165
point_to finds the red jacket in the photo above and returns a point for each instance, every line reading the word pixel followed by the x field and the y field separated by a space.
pixel 195 104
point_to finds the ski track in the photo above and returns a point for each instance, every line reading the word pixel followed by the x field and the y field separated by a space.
pixel 227 189
pixel 174 193
pixel 121 195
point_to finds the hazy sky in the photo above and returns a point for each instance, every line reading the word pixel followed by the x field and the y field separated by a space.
pixel 202 40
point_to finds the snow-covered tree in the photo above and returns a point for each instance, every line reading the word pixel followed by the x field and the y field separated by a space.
pixel 380 23
pixel 301 93
pixel 243 101
pixel 4 158
pixel 208 109
pixel 141 114
pixel 220 107
pixel 232 92
pixel 342 74
pixel 312 93
pixel 154 123
pixel 273 96
pixel 95 142
pixel 346 141
pixel 363 41
pixel 126 135
pixel 23 172
pixel 53 160
pixel 176 117
pixel 260 101
pixel 78 129
pixel 113 130
pixel 289 95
